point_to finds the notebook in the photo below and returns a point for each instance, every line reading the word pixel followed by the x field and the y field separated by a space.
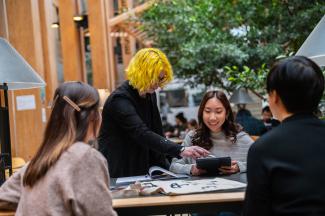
pixel 155 172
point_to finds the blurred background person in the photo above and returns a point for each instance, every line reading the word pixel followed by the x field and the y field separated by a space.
pixel 168 129
pixel 180 126
pixel 192 125
pixel 268 120
pixel 251 125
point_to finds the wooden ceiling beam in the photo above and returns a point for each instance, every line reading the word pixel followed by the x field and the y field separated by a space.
pixel 126 15
pixel 134 31
pixel 127 30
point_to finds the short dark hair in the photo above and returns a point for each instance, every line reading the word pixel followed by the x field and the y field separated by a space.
pixel 181 117
pixel 298 81
pixel 266 109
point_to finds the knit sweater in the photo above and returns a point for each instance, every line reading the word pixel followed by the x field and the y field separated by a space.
pixel 222 147
pixel 77 184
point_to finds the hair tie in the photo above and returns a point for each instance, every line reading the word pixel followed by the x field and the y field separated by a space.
pixel 69 101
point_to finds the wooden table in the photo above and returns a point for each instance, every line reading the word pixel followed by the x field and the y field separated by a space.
pixel 203 203
pixel 193 203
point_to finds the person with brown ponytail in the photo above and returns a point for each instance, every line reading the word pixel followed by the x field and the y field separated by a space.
pixel 217 133
pixel 66 176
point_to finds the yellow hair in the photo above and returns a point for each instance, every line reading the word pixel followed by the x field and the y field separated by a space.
pixel 145 67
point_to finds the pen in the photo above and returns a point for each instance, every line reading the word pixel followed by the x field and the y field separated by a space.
pixel 212 156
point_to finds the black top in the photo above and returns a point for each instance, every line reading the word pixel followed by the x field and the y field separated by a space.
pixel 270 124
pixel 251 125
pixel 131 133
pixel 286 169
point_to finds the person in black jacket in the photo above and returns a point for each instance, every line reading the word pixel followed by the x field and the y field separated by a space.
pixel 251 125
pixel 268 120
pixel 131 136
pixel 285 167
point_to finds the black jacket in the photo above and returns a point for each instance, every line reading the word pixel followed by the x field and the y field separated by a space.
pixel 251 125
pixel 286 169
pixel 131 133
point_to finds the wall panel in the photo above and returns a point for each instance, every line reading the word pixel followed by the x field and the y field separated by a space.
pixel 24 34
pixel 70 42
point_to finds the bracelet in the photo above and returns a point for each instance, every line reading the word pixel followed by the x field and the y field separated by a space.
pixel 182 149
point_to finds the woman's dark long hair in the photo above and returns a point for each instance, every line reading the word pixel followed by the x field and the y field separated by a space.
pixel 202 135
pixel 75 107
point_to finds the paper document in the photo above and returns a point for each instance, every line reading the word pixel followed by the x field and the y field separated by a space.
pixel 132 179
pixel 179 186
pixel 155 172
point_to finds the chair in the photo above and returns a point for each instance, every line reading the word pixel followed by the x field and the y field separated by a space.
pixel 17 163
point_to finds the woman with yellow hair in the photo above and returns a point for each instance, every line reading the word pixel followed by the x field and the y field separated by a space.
pixel 131 136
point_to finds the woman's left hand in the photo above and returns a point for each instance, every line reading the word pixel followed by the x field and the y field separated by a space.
pixel 234 168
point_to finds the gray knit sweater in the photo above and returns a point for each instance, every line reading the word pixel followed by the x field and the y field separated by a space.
pixel 77 184
pixel 222 147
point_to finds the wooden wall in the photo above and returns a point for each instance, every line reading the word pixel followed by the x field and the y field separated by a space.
pixel 99 44
pixel 70 42
pixel 3 20
pixel 26 25
pixel 47 17
pixel 102 45
pixel 22 27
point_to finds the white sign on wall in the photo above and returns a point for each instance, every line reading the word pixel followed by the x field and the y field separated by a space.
pixel 25 102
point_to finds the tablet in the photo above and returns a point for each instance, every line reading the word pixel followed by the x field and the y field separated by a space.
pixel 211 165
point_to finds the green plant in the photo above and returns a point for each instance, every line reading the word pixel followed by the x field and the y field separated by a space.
pixel 253 79
pixel 202 37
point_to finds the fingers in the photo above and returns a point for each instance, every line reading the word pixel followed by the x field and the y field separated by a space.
pixel 196 171
pixel 203 151
pixel 194 152
pixel 228 169
pixel 200 152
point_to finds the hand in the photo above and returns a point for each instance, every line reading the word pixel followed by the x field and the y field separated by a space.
pixel 234 168
pixel 168 134
pixel 196 171
pixel 194 152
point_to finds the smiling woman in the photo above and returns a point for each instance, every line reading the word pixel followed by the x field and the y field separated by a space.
pixel 214 114
pixel 218 133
